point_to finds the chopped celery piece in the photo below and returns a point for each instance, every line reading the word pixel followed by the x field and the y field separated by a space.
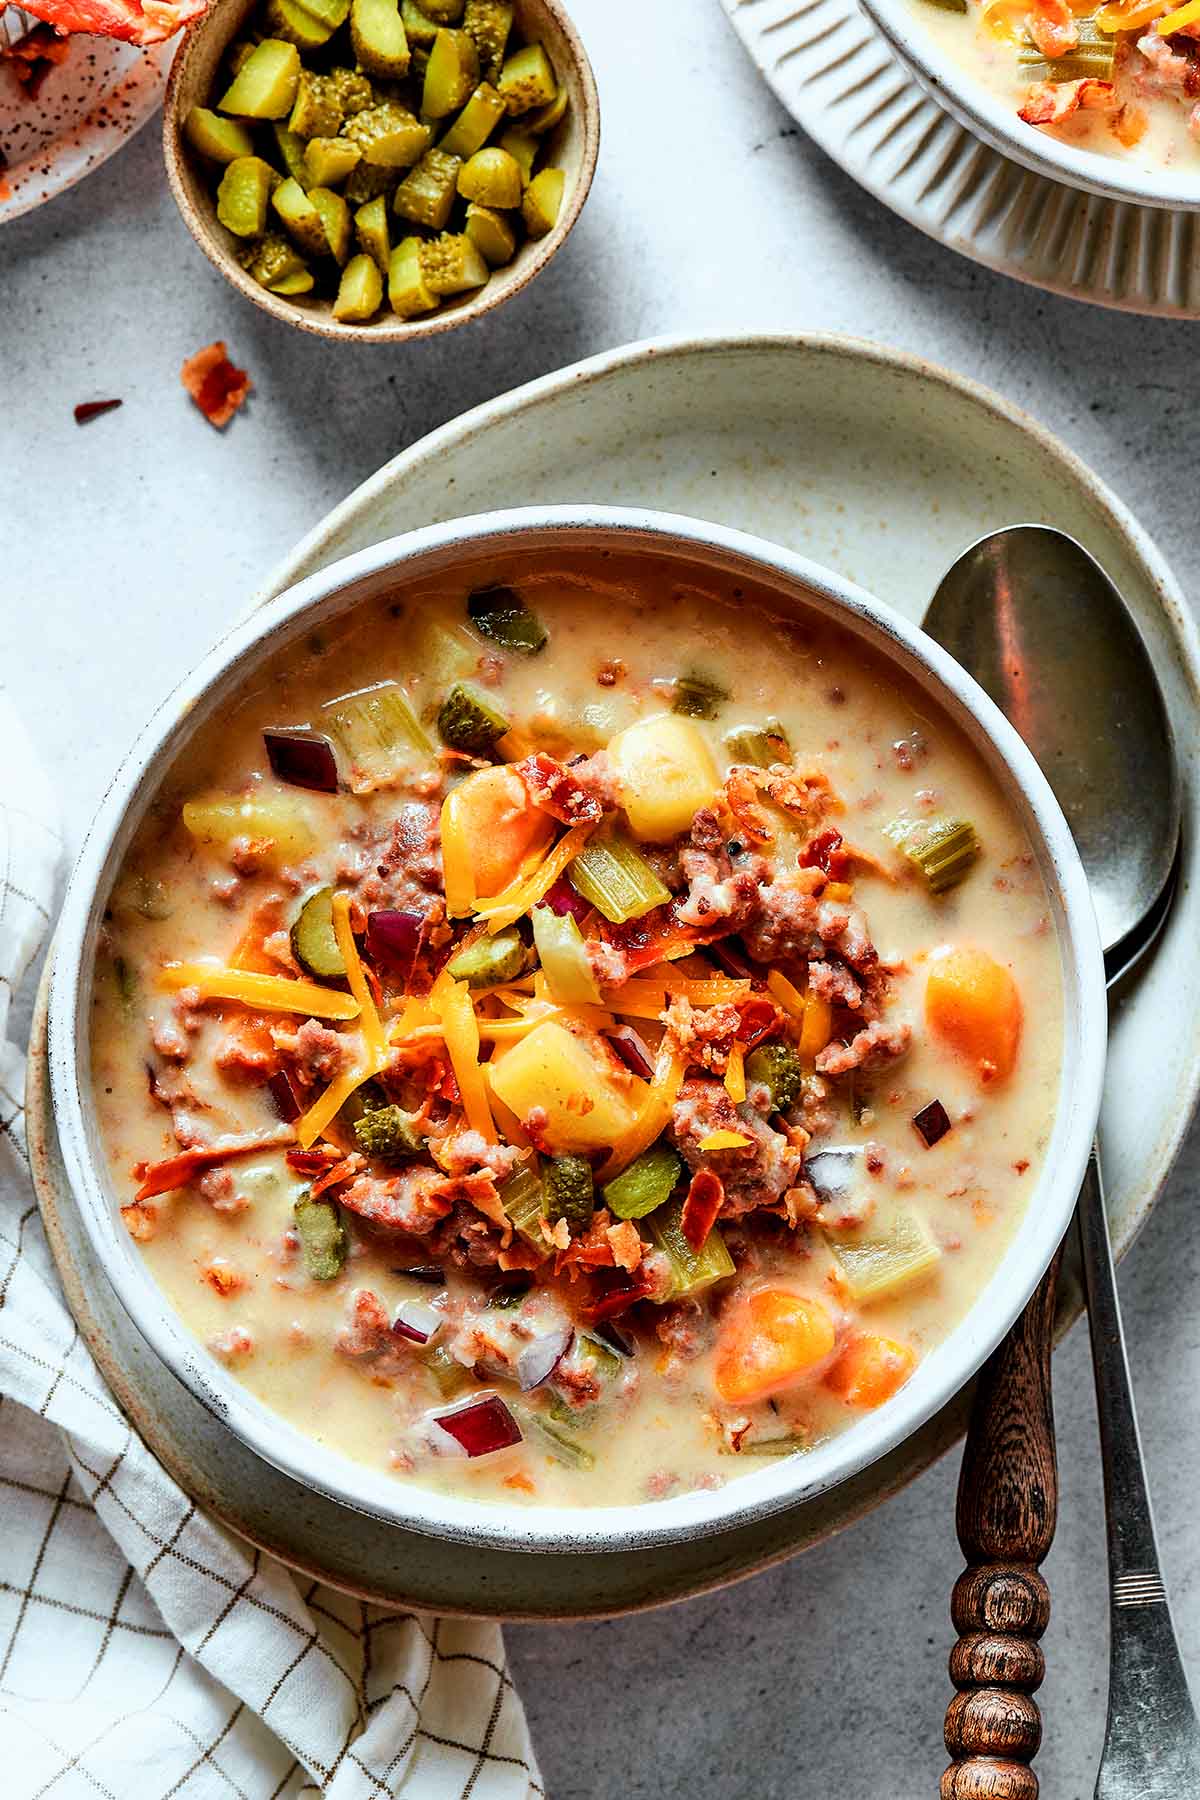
pixel 274 264
pixel 1093 56
pixel 691 1270
pixel 370 181
pixel 327 160
pixel 265 85
pixel 489 23
pixel 379 734
pixel 527 80
pixel 617 881
pixel 560 1444
pixel 501 614
pixel 379 38
pixel 760 746
pixel 291 150
pixel 778 1068
pixel 296 25
pixel 452 265
pixel 547 117
pixel 426 195
pixel 323 1241
pixel 696 697
pixel 564 960
pixel 451 75
pixel 335 217
pixel 522 148
pixel 490 961
pixel 890 1252
pixel 387 1134
pixel 300 216
pixel 943 852
pixel 388 134
pixel 491 234
pixel 475 123
pixel 568 1191
pixel 221 140
pixel 468 721
pixel 314 942
pixel 360 290
pixel 419 28
pixel 521 1198
pixel 318 109
pixel 407 292
pixel 645 1185
pixel 540 209
pixel 243 195
pixel 492 177
pixel 449 1374
pixel 371 230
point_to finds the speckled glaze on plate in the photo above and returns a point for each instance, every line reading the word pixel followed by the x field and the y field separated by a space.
pixel 879 466
pixel 838 77
pixel 91 104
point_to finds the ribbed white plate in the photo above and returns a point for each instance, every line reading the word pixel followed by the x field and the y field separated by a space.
pixel 839 80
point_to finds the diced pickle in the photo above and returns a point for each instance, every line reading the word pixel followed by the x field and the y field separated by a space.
pixel 388 134
pixel 569 1190
pixel 379 38
pixel 502 615
pixel 407 292
pixel 489 961
pixel 313 939
pixel 426 195
pixel 444 12
pixel 274 264
pixel 265 85
pixel 759 746
pixel 371 230
pixel 452 265
pixel 491 234
pixel 301 218
pixel 291 151
pixel 522 148
pixel 468 721
pixel 296 25
pixel 645 1185
pixel 360 292
pixel 451 75
pixel 943 851
pixel 542 202
pixel 388 1134
pixel 299 281
pixel 335 217
pixel 449 1374
pixel 547 117
pixel 330 160
pixel 696 696
pixel 221 140
pixel 475 123
pixel 238 55
pixel 371 181
pixel 243 195
pixel 489 23
pixel 559 1444
pixel 527 80
pixel 323 1241
pixel 318 110
pixel 353 89
pixel 492 177
pixel 521 1198
pixel 333 13
pixel 778 1068
pixel 419 28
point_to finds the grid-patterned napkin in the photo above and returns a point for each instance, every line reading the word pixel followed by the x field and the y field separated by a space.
pixel 144 1651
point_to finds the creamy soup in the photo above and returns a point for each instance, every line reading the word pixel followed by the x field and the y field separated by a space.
pixel 570 1040
pixel 1121 80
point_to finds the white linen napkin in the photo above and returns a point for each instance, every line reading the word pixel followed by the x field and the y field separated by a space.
pixel 145 1651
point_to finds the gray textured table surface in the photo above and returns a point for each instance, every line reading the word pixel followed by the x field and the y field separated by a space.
pixel 127 544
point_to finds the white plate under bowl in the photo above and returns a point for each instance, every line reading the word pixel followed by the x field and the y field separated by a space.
pixel 91 104
pixel 877 465
pixel 841 80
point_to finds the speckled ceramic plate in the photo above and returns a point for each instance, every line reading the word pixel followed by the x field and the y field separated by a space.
pixel 874 464
pixel 839 79
pixel 88 107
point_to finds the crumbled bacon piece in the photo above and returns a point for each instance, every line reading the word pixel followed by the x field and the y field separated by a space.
pixel 827 852
pixel 140 1220
pixel 214 384
pixel 222 1277
pixel 705 1198
pixel 92 409
pixel 130 21
pixel 339 1172
pixel 554 788
pixel 1050 102
pixel 178 1171
pixel 1051 24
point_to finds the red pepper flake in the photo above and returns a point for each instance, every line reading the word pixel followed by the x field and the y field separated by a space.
pixel 214 384
pixel 1022 1166
pixel 705 1197
pixel 932 1123
pixel 92 409
pixel 757 1019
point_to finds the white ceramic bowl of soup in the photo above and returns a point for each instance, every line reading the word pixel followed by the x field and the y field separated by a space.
pixel 951 81
pixel 794 585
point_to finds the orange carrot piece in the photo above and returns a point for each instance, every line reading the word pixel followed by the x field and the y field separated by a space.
pixel 871 1369
pixel 973 1005
pixel 771 1341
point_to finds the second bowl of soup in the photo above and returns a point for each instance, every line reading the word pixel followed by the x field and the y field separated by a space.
pixel 572 1028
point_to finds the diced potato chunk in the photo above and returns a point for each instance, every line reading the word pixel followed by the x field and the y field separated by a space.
pixel 282 821
pixel 587 1103
pixel 891 1252
pixel 666 773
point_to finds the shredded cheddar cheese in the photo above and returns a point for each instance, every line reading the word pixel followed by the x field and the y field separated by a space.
pixel 323 1111
pixel 528 889
pixel 735 1075
pixel 817 1026
pixel 370 1026
pixel 1175 21
pixel 788 996
pixel 724 1140
pixel 655 1114
pixel 458 871
pixel 266 993
pixel 452 1001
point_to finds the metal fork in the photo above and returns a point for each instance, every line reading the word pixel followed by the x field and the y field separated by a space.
pixel 1152 1738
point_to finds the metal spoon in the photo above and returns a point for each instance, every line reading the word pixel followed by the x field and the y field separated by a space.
pixel 1040 626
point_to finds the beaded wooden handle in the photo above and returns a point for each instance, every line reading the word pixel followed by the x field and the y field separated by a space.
pixel 1007 1510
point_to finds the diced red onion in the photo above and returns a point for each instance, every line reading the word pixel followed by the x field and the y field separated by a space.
pixel 394 938
pixel 732 958
pixel 480 1427
pixel 632 1051
pixel 417 1321
pixel 284 1098
pixel 302 759
pixel 563 899
pixel 932 1122
pixel 538 1361
pixel 832 1172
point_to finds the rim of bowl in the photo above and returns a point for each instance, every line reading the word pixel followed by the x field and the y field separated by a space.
pixel 1048 1209
pixel 387 329
pixel 952 84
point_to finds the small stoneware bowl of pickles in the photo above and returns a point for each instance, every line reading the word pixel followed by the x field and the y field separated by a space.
pixel 381 169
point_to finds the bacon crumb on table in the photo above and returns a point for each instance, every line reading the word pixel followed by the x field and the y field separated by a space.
pixel 214 384
pixel 93 409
